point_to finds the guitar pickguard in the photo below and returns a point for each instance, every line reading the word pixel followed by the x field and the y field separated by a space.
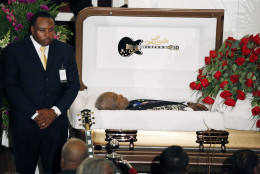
pixel 126 47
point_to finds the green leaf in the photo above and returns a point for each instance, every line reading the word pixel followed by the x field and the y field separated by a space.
pixel 254 78
pixel 204 72
pixel 225 75
pixel 235 44
pixel 234 67
pixel 253 103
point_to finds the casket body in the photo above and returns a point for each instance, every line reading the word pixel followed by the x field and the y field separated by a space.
pixel 150 54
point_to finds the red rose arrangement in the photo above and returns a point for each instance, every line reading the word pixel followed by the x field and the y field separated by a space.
pixel 234 71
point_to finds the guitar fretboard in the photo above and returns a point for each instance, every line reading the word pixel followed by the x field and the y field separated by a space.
pixel 89 143
pixel 87 123
pixel 155 46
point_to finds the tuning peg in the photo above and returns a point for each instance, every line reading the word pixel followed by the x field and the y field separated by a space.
pixel 94 123
pixel 80 124
pixel 79 119
pixel 93 117
pixel 92 112
pixel 78 114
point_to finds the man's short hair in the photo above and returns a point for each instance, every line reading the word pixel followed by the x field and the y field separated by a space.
pixel 97 165
pixel 104 103
pixel 43 14
pixel 244 161
pixel 174 160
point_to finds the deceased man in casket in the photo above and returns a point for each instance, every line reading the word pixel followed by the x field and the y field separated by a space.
pixel 113 101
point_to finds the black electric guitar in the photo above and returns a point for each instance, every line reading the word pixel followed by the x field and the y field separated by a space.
pixel 126 47
pixel 87 123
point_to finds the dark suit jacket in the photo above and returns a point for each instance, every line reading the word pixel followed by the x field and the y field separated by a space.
pixel 29 87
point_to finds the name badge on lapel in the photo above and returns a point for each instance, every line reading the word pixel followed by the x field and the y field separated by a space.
pixel 63 77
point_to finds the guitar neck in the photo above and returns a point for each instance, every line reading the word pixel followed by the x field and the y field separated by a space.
pixel 89 143
pixel 154 47
pixel 87 123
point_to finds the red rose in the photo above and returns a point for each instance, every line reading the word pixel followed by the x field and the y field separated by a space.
pixel 257 39
pixel 200 71
pixel 223 84
pixel 213 54
pixel 217 75
pixel 258 123
pixel 234 78
pixel 228 44
pixel 224 63
pixel 231 38
pixel 257 51
pixel 253 58
pixel 244 41
pixel 207 60
pixel 240 60
pixel 229 54
pixel 241 95
pixel 204 82
pixel 226 94
pixel 208 100
pixel 199 87
pixel 200 76
pixel 230 102
pixel 233 49
pixel 256 110
pixel 245 50
pixel 249 83
pixel 193 85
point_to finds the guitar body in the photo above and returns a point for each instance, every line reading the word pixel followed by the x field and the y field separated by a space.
pixel 126 47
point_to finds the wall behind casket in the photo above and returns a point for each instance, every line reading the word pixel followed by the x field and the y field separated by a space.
pixel 241 16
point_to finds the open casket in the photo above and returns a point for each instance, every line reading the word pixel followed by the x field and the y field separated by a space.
pixel 164 49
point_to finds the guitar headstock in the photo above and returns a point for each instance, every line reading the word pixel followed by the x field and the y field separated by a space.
pixel 173 47
pixel 86 119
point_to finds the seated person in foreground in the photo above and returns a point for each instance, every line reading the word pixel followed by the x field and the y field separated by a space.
pixel 244 162
pixel 97 165
pixel 174 160
pixel 113 101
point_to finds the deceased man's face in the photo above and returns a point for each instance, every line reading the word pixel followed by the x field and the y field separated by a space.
pixel 118 100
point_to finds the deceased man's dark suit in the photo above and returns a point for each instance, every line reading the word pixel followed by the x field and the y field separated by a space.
pixel 29 88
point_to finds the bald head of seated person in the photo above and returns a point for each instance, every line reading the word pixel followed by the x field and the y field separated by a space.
pixel 74 151
pixel 113 101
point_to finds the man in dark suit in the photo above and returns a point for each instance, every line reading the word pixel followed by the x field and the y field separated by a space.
pixel 40 94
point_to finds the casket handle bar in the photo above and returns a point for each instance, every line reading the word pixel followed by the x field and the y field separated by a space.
pixel 212 137
pixel 122 136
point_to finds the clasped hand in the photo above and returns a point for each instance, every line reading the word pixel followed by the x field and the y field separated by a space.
pixel 45 118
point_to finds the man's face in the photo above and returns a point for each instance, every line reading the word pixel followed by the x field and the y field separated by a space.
pixel 119 100
pixel 43 31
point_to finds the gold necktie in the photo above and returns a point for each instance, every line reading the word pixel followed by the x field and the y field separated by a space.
pixel 43 57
